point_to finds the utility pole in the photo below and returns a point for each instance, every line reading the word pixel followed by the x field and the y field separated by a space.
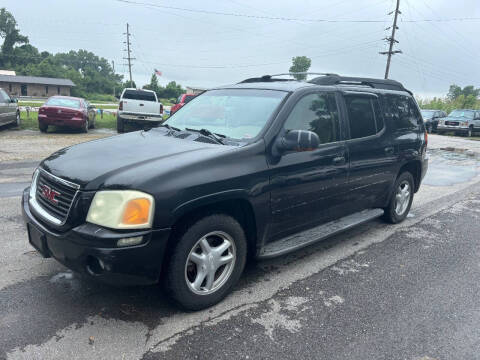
pixel 392 40
pixel 129 55
pixel 113 67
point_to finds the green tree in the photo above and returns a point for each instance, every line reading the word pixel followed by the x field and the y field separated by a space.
pixel 9 32
pixel 153 84
pixel 300 64
pixel 455 91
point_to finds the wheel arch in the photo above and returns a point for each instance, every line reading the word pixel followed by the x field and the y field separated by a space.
pixel 415 168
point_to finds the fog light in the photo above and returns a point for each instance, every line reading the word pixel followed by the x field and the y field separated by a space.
pixel 130 241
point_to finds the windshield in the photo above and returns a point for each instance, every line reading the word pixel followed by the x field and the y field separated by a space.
pixel 462 113
pixel 427 113
pixel 139 95
pixel 235 113
pixel 70 103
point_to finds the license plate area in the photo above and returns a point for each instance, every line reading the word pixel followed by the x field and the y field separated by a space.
pixel 38 240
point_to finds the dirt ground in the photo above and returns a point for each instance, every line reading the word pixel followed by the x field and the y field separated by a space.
pixel 21 145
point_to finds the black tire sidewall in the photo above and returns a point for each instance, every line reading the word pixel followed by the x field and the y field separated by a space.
pixel 43 128
pixel 18 120
pixel 390 213
pixel 120 125
pixel 175 281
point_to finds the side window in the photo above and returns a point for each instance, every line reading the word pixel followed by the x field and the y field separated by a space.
pixel 402 111
pixel 317 113
pixel 361 116
pixel 3 96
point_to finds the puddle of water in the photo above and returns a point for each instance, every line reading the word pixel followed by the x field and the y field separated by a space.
pixel 447 168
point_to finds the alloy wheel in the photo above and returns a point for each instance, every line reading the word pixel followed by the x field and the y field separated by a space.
pixel 210 263
pixel 402 197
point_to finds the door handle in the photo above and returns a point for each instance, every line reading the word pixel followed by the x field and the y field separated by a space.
pixel 389 150
pixel 339 160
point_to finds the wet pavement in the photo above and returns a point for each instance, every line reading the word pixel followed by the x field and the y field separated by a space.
pixel 376 292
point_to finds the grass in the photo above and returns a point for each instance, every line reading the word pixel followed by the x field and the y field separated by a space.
pixel 109 121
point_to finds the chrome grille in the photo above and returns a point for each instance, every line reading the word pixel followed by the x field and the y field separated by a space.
pixel 52 197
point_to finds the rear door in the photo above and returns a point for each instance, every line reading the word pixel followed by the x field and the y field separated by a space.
pixel 4 107
pixel 308 187
pixel 372 154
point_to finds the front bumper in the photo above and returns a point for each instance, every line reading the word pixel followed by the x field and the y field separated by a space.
pixel 91 250
pixel 458 129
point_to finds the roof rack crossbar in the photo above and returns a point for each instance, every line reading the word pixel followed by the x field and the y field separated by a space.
pixel 385 84
pixel 269 78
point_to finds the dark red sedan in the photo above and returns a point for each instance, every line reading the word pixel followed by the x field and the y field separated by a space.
pixel 66 111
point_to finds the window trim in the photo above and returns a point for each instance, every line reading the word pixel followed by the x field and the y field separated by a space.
pixel 334 93
pixel 363 94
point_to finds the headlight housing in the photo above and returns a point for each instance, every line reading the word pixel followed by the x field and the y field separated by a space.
pixel 122 209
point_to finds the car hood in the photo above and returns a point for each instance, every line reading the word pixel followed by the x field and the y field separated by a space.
pixel 94 164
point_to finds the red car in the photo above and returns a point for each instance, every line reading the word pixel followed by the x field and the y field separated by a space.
pixel 182 100
pixel 66 111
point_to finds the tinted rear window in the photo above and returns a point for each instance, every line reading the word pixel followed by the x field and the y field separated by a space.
pixel 188 98
pixel 363 116
pixel 70 103
pixel 139 95
pixel 402 112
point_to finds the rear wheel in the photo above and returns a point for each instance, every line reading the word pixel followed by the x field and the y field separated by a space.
pixel 401 199
pixel 42 127
pixel 207 262
pixel 85 127
pixel 120 125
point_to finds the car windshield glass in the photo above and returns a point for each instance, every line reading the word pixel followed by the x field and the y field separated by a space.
pixel 139 95
pixel 235 113
pixel 462 113
pixel 70 103
pixel 427 113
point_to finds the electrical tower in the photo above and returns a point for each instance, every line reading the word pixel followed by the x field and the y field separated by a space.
pixel 129 54
pixel 392 40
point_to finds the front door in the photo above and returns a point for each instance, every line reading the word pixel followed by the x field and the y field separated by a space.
pixel 307 187
pixel 372 153
pixel 4 107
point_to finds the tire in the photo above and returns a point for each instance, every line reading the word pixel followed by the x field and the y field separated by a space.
pixel 214 285
pixel 469 132
pixel 393 212
pixel 92 125
pixel 85 127
pixel 18 120
pixel 42 127
pixel 120 125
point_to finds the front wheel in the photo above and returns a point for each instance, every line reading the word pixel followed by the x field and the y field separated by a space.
pixel 401 199
pixel 207 262
pixel 18 120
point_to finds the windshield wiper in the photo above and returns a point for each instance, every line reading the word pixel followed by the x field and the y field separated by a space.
pixel 214 136
pixel 169 127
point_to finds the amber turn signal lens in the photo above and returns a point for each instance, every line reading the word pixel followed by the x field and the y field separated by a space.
pixel 136 212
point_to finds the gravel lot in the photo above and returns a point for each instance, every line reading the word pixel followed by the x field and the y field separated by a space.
pixel 20 145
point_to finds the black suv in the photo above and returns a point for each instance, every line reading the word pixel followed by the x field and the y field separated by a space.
pixel 260 168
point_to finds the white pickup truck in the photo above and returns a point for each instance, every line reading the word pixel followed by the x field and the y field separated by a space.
pixel 138 107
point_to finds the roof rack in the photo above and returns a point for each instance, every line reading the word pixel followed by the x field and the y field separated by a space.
pixel 270 78
pixel 333 79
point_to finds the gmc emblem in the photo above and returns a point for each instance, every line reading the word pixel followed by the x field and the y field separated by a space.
pixel 49 194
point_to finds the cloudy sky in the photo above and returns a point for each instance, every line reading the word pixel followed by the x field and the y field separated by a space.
pixel 196 47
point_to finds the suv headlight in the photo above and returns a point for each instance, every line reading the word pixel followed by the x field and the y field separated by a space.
pixel 122 209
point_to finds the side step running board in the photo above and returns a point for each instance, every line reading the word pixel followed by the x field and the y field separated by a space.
pixel 310 236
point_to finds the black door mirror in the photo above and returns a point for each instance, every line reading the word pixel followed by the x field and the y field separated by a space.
pixel 296 140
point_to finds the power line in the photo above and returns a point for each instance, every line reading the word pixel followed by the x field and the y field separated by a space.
pixel 282 18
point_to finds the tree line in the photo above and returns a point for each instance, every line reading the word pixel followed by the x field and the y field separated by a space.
pixel 457 98
pixel 93 75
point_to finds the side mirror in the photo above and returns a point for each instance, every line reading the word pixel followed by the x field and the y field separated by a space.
pixel 296 140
